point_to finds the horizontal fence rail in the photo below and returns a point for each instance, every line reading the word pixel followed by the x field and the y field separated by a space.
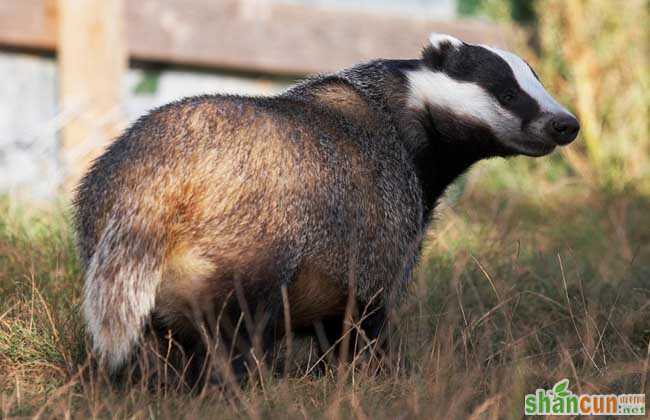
pixel 256 36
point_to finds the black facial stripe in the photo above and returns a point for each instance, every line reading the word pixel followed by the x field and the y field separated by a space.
pixel 475 64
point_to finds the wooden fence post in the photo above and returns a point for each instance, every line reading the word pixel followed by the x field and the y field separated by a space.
pixel 92 58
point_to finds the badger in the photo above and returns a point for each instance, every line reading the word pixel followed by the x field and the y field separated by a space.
pixel 282 210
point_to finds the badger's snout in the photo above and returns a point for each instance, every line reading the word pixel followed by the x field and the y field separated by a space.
pixel 562 128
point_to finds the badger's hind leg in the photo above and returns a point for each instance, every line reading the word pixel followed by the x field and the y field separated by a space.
pixel 226 318
pixel 368 337
pixel 179 354
pixel 250 322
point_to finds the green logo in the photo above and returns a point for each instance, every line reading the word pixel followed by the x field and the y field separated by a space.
pixel 559 400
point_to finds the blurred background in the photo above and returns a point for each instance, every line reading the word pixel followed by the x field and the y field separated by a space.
pixel 535 270
pixel 74 74
pixel 77 72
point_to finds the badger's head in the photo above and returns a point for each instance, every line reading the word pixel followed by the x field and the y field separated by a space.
pixel 487 98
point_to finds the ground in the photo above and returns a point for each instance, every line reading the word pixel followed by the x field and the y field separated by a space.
pixel 515 291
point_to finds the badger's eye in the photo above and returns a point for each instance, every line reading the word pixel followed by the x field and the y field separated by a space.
pixel 507 96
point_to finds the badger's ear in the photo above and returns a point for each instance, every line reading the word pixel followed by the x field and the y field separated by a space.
pixel 438 40
pixel 440 46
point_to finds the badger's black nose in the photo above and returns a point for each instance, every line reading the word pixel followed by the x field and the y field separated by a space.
pixel 563 129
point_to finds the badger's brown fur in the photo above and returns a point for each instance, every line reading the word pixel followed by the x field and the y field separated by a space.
pixel 212 190
pixel 214 205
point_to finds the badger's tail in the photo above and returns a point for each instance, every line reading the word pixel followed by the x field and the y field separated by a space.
pixel 121 280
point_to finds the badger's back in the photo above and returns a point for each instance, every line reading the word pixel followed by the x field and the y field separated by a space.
pixel 174 159
pixel 213 187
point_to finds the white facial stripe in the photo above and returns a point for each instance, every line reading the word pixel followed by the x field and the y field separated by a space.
pixel 528 82
pixel 468 99
pixel 437 39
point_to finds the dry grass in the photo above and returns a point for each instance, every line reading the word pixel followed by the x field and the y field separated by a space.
pixel 536 270
pixel 512 294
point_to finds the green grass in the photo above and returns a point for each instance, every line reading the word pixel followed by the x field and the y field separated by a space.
pixel 514 292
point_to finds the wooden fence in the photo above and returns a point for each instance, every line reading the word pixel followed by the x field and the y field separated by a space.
pixel 94 39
